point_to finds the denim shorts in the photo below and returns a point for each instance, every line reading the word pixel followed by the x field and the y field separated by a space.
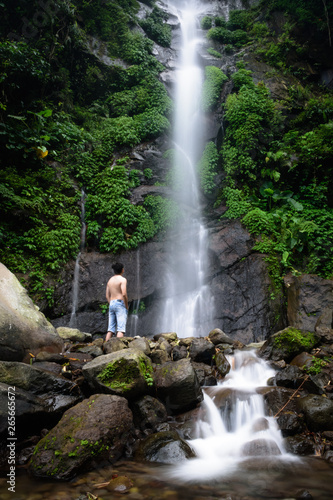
pixel 117 316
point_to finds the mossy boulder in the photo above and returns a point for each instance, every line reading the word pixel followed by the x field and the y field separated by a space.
pixel 94 430
pixel 164 447
pixel 287 344
pixel 177 385
pixel 128 373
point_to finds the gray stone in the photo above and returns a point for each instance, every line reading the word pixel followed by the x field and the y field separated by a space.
pixel 23 328
pixel 148 413
pixel 318 412
pixel 202 351
pixel 164 447
pixel 73 334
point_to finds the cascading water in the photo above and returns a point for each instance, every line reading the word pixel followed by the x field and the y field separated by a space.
pixel 188 305
pixel 133 319
pixel 234 427
pixel 75 288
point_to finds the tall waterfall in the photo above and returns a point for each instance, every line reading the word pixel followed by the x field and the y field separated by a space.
pixel 234 428
pixel 188 304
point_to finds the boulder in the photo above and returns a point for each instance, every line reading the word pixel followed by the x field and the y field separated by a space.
pixel 300 445
pixel 318 412
pixel 290 423
pixel 164 447
pixel 308 296
pixel 205 374
pixel 148 413
pixel 290 377
pixel 141 344
pixel 126 373
pixel 202 351
pixel 179 352
pixel 113 345
pixel 287 344
pixel 177 386
pixel 259 447
pixel 222 364
pixel 23 328
pixel 97 429
pixel 217 336
pixel 73 334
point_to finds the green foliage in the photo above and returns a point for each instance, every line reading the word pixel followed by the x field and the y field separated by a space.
pixel 220 34
pixel 206 22
pixel 292 339
pixel 164 213
pixel 155 27
pixel 214 53
pixel 207 168
pixel 215 78
pixel 242 77
pixel 316 366
pixel 236 202
pixel 238 20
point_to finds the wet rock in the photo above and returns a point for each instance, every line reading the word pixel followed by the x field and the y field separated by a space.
pixel 308 297
pixel 217 336
pixel 96 429
pixel 222 364
pixel 177 386
pixel 290 423
pixel 127 373
pixel 276 398
pixel 261 424
pixel 73 334
pixel 164 447
pixel 287 344
pixel 303 495
pixel 318 412
pixel 179 352
pixel 24 329
pixel 300 445
pixel 148 413
pixel 202 351
pixel 291 377
pixel 259 447
pixel 159 356
pixel 205 374
pixel 120 484
pixel 302 360
pixel 93 350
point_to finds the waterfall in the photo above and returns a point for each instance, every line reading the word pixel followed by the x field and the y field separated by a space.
pixel 188 305
pixel 134 316
pixel 75 287
pixel 234 428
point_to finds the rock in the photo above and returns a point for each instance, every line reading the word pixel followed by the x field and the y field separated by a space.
pixel 217 336
pixel 308 297
pixel 300 445
pixel 113 345
pixel 290 423
pixel 259 447
pixel 164 447
pixel 127 373
pixel 291 377
pixel 177 386
pixel 23 328
pixel 159 356
pixel 202 351
pixel 205 374
pixel 261 424
pixel 287 344
pixel 318 412
pixel 179 352
pixel 73 334
pixel 141 344
pixel 276 398
pixel 120 484
pixel 96 429
pixel 93 350
pixel 222 364
pixel 169 337
pixel 50 357
pixel 148 413
pixel 302 360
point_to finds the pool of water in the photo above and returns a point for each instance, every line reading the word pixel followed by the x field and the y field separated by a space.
pixel 270 478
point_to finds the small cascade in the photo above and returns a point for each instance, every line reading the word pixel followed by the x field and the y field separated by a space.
pixel 75 288
pixel 234 427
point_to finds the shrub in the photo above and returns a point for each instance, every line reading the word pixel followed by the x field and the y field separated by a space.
pixel 207 168
pixel 215 78
pixel 206 23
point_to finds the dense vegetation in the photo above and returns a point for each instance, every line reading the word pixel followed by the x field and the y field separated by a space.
pixel 79 89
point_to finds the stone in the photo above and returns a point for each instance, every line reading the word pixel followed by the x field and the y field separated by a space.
pixel 113 345
pixel 302 360
pixel 159 356
pixel 127 373
pixel 202 351
pixel 259 447
pixel 148 413
pixel 179 352
pixel 300 445
pixel 217 336
pixel 318 412
pixel 290 377
pixel 73 334
pixel 308 297
pixel 205 374
pixel 23 328
pixel 94 430
pixel 177 386
pixel 290 423
pixel 164 447
pixel 141 344
pixel 222 364
pixel 287 343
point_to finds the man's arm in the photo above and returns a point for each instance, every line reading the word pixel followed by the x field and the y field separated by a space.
pixel 123 287
pixel 108 293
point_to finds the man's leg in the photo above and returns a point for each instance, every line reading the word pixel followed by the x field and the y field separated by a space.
pixel 112 322
pixel 108 336
pixel 120 334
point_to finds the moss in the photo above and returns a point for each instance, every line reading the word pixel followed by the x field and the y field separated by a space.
pixel 292 339
pixel 121 373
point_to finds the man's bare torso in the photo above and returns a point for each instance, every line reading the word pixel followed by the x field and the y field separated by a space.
pixel 117 289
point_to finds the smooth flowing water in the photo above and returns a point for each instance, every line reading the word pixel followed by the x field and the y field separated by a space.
pixel 188 305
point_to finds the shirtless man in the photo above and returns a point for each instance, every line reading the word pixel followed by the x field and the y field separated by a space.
pixel 116 295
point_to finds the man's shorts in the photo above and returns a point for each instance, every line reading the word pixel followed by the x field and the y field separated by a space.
pixel 117 316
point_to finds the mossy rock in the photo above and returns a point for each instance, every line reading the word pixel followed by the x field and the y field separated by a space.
pixel 287 344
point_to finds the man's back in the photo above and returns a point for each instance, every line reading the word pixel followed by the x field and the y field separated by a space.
pixel 117 287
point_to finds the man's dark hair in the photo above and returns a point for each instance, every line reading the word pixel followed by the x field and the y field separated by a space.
pixel 117 267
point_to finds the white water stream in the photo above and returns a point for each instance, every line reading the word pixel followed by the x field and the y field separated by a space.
pixel 234 427
pixel 188 305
